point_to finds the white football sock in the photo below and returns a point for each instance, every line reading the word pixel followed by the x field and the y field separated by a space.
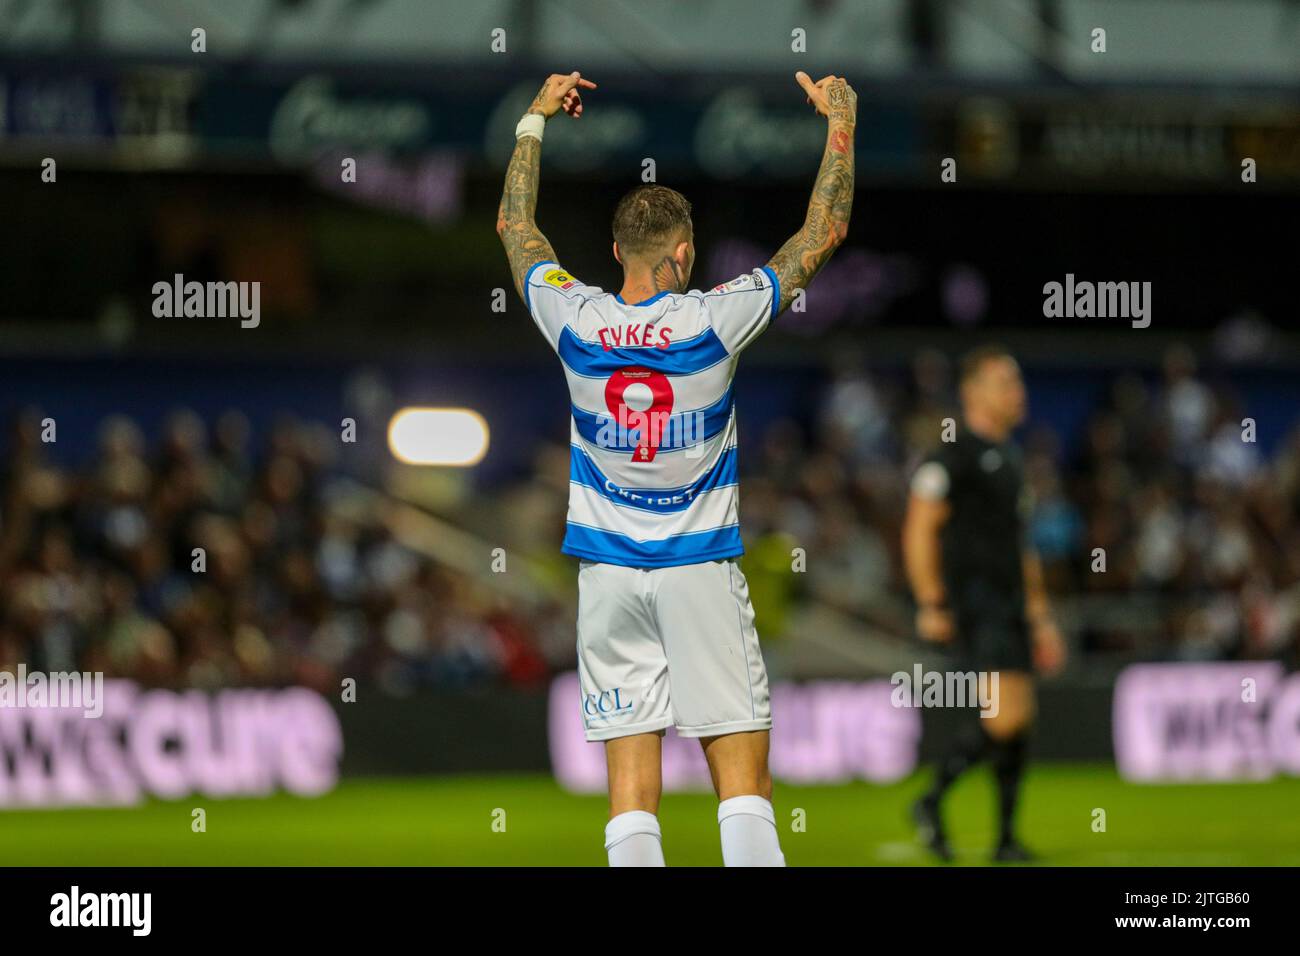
pixel 633 839
pixel 749 836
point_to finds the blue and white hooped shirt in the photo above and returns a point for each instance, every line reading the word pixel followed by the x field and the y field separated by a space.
pixel 652 477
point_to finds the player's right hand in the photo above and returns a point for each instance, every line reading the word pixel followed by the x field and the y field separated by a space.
pixel 560 92
pixel 831 96
pixel 934 624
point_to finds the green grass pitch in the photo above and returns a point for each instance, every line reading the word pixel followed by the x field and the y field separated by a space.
pixel 449 821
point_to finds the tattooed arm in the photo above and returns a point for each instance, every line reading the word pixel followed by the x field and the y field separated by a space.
pixel 827 222
pixel 524 242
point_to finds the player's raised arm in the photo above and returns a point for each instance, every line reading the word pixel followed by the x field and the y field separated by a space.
pixel 827 222
pixel 524 242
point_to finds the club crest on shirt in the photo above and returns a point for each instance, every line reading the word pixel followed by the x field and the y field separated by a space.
pixel 740 282
pixel 991 460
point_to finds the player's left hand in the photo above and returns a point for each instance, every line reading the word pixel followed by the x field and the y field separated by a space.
pixel 561 92
pixel 1049 647
pixel 831 96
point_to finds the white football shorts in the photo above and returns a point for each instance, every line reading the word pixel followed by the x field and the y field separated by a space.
pixel 662 647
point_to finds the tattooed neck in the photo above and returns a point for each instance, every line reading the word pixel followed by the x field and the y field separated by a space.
pixel 664 276
pixel 667 275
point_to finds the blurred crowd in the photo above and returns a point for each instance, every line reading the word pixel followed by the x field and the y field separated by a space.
pixel 1164 533
pixel 198 562
pixel 199 559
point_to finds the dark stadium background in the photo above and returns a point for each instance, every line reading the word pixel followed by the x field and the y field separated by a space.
pixel 329 560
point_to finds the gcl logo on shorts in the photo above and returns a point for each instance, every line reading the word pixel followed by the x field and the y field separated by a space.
pixel 605 703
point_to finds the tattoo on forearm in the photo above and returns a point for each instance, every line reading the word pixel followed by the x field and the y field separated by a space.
pixel 827 221
pixel 525 245
pixel 841 109
pixel 538 104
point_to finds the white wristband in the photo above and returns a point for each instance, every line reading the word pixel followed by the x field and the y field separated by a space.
pixel 531 125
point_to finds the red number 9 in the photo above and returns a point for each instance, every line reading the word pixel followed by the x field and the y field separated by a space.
pixel 651 423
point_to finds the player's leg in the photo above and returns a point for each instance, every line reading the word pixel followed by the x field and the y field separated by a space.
pixel 743 783
pixel 720 694
pixel 992 639
pixel 738 764
pixel 966 748
pixel 1008 733
pixel 625 703
pixel 634 765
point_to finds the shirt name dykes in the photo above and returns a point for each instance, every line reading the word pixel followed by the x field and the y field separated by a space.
pixel 208 300
pixel 1098 300
pixel 103 909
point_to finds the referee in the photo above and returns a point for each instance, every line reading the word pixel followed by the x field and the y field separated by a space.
pixel 979 588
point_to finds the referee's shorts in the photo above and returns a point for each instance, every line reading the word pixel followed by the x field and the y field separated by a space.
pixel 992 633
